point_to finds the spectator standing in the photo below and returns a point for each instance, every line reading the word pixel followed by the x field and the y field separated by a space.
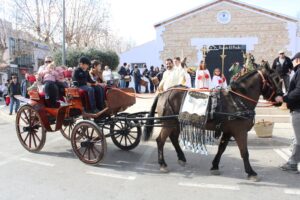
pixel 146 75
pixel 127 77
pixel 292 98
pixel 137 77
pixel 122 72
pixel 14 88
pixel 152 74
pixel 283 65
pixel 107 76
pixel 24 85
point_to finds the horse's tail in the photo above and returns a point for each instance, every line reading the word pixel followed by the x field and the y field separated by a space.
pixel 148 129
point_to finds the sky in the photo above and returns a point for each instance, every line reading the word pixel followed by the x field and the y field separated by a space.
pixel 134 19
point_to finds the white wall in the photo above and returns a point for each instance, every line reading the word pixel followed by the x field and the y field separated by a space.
pixel 148 53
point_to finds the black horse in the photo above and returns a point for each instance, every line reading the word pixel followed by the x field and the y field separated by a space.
pixel 242 96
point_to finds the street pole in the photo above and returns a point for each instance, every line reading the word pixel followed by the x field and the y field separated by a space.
pixel 64 35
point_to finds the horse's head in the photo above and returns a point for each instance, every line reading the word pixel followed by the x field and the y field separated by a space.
pixel 272 83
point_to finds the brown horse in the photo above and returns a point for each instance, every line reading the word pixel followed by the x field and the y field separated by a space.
pixel 241 97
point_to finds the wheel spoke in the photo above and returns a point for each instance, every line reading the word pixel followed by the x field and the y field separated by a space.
pixel 89 153
pixel 117 136
pixel 84 151
pixel 34 141
pixel 23 119
pixel 37 137
pixel 125 140
pixel 92 133
pixel 30 140
pixel 26 137
pixel 26 116
pixel 131 136
pixel 92 149
pixel 121 139
pixel 129 140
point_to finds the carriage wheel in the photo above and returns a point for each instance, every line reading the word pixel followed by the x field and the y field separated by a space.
pixel 88 142
pixel 126 135
pixel 31 133
pixel 67 127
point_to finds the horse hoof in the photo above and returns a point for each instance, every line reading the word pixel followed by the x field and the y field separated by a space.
pixel 181 163
pixel 215 172
pixel 254 178
pixel 164 169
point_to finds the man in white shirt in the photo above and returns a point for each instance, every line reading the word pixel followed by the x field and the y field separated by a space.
pixel 172 76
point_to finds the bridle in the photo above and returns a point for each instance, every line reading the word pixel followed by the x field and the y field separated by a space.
pixel 266 83
pixel 270 83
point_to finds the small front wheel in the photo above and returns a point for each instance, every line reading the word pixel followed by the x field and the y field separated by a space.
pixel 126 134
pixel 88 142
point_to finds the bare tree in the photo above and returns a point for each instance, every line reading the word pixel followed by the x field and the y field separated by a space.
pixel 86 22
pixel 4 29
pixel 41 18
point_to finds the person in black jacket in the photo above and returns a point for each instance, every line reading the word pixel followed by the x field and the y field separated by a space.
pixel 14 88
pixel 283 65
pixel 122 72
pixel 84 81
pixel 292 98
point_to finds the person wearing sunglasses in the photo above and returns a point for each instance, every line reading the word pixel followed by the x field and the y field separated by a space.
pixel 14 88
pixel 48 60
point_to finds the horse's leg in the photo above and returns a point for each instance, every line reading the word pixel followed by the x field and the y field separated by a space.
pixel 241 140
pixel 174 139
pixel 160 140
pixel 222 146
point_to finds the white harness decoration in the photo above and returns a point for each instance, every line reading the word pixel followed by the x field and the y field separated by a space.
pixel 192 118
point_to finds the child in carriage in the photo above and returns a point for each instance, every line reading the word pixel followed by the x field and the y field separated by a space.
pixel 84 81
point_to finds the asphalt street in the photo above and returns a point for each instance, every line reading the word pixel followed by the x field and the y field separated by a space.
pixel 55 172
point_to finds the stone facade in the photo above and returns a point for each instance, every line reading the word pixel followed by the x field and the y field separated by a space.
pixel 272 33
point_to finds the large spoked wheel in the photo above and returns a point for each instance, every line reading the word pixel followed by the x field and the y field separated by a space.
pixel 88 142
pixel 67 127
pixel 31 133
pixel 126 135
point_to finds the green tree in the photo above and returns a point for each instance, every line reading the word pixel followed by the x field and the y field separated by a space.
pixel 107 58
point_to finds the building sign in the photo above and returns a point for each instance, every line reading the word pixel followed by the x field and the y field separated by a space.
pixel 227 47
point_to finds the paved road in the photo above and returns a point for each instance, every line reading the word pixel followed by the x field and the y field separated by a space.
pixel 55 173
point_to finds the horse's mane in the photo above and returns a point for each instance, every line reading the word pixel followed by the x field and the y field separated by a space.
pixel 241 78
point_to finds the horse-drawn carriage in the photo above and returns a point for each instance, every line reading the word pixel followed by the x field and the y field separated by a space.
pixel 85 130
pixel 234 117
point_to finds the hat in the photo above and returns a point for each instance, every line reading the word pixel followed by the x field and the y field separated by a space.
pixel 280 52
pixel 296 56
